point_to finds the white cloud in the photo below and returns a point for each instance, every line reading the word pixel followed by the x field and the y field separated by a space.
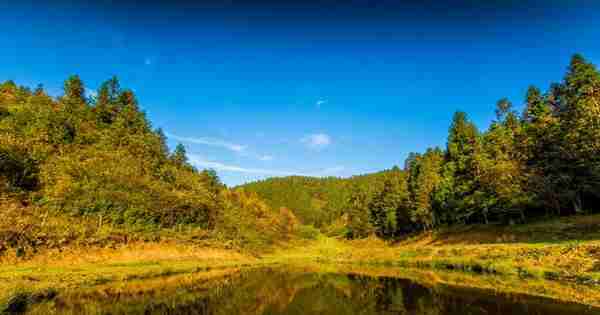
pixel 266 158
pixel 321 102
pixel 240 149
pixel 316 141
pixel 90 93
pixel 332 170
pixel 202 163
pixel 211 142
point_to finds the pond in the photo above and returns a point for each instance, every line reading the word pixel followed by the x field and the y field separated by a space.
pixel 278 290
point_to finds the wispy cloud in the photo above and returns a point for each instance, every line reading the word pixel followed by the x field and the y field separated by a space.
pixel 316 141
pixel 210 141
pixel 200 162
pixel 265 158
pixel 240 149
pixel 90 93
pixel 332 170
pixel 321 102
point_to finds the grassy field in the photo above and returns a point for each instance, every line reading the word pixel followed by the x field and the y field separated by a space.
pixel 565 250
pixel 558 259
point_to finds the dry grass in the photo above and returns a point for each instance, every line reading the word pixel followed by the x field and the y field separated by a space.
pixel 558 259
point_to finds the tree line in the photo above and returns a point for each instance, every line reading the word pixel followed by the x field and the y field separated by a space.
pixel 98 158
pixel 542 162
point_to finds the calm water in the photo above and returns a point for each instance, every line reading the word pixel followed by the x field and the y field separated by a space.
pixel 280 291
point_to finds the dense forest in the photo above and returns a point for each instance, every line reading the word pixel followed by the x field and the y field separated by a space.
pixel 98 159
pixel 542 162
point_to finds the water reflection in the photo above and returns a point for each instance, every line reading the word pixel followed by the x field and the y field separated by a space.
pixel 282 291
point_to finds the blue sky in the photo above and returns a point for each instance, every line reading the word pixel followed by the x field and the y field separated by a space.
pixel 257 88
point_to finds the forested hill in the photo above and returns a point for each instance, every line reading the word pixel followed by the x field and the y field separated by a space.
pixel 99 160
pixel 542 162
pixel 91 164
pixel 315 201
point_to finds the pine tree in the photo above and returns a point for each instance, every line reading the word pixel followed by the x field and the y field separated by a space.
pixel 389 207
pixel 460 169
pixel 580 133
pixel 357 213
pixel 107 107
pixel 74 91
pixel 500 168
pixel 424 179
pixel 179 156
pixel 130 118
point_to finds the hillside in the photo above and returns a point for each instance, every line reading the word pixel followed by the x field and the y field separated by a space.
pixel 541 163
pixel 315 201
pixel 79 170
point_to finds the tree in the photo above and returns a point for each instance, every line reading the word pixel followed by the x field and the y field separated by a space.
pixel 179 156
pixel 459 170
pixel 106 107
pixel 425 177
pixel 580 133
pixel 74 91
pixel 162 140
pixel 500 169
pixel 357 213
pixel 539 145
pixel 130 118
pixel 388 208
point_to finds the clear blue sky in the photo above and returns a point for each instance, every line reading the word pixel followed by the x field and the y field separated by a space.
pixel 257 89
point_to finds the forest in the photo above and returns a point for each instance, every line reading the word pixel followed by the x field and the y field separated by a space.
pixel 96 211
pixel 98 158
pixel 538 164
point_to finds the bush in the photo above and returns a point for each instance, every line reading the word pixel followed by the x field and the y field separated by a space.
pixel 17 170
pixel 308 232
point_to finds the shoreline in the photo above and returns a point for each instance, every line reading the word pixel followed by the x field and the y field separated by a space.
pixel 140 263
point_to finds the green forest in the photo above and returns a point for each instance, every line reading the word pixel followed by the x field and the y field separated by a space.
pixel 541 163
pixel 93 201
pixel 99 158
pixel 99 161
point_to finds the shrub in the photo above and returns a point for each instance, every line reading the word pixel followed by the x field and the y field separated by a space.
pixel 307 232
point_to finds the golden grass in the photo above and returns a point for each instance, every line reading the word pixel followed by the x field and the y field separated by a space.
pixel 527 259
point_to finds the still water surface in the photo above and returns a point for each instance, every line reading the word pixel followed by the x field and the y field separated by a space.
pixel 283 291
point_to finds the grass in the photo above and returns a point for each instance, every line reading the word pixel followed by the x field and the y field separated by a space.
pixel 558 259
pixel 573 256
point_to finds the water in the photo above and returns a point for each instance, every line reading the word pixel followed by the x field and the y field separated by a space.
pixel 284 291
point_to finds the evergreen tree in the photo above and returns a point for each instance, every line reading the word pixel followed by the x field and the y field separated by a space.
pixel 424 179
pixel 580 133
pixel 107 107
pixel 74 91
pixel 357 213
pixel 179 156
pixel 162 140
pixel 389 207
pixel 463 145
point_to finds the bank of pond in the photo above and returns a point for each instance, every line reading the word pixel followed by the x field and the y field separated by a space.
pixel 281 289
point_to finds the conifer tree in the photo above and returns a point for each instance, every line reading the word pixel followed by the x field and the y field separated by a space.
pixel 357 213
pixel 106 107
pixel 580 133
pixel 463 145
pixel 389 207
pixel 179 156
pixel 74 91
pixel 424 179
